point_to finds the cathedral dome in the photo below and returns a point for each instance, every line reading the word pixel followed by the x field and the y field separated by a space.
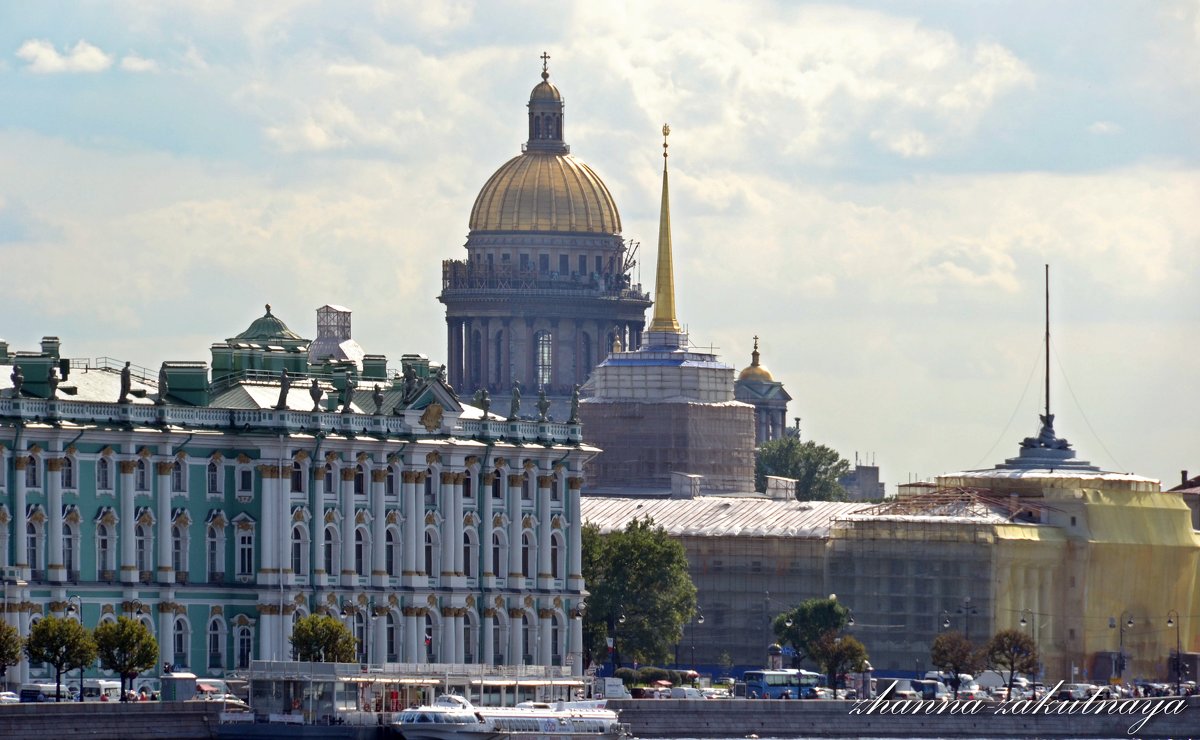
pixel 545 188
pixel 544 191
pixel 756 372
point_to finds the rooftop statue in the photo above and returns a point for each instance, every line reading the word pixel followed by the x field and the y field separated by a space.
pixel 1046 437
pixel 574 419
pixel 514 408
pixel 126 383
pixel 315 393
pixel 410 384
pixel 285 384
pixel 162 386
pixel 18 380
pixel 485 401
pixel 348 396
pixel 377 397
pixel 543 405
pixel 52 381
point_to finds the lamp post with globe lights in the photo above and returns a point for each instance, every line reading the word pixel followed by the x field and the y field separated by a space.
pixel 1173 621
pixel 1126 622
pixel 75 606
pixel 699 621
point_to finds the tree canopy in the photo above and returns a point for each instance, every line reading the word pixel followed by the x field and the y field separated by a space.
pixel 1012 652
pixel 63 643
pixel 321 638
pixel 836 653
pixel 951 652
pixel 815 467
pixel 810 620
pixel 10 647
pixel 127 647
pixel 640 573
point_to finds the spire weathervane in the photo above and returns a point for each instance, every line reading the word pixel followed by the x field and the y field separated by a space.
pixel 664 279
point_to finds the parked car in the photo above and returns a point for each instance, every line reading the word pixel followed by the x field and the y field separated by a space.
pixel 1074 692
pixel 904 688
pixel 9 697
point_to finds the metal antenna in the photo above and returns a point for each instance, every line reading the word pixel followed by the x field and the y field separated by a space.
pixel 1047 341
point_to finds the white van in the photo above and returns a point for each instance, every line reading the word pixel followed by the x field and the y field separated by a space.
pixel 685 692
pixel 101 689
pixel 38 692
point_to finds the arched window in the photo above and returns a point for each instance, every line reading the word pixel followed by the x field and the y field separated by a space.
pixel 140 478
pixel 141 548
pixel 333 563
pixel 179 559
pixel 33 546
pixel 31 472
pixel 498 562
pixel 104 555
pixel 297 477
pixel 68 473
pixel 544 349
pixel 470 637
pixel 527 548
pixel 212 474
pixel 299 551
pixel 69 550
pixel 216 644
pixel 362 565
pixel 555 556
pixel 497 491
pixel 245 646
pixel 359 621
pixel 178 479
pixel 215 554
pixel 469 553
pixel 430 552
pixel 430 488
pixel 555 641
pixel 103 474
pixel 182 639
pixel 527 641
pixel 468 485
pixel 389 552
pixel 360 481
pixel 527 484
pixel 389 486
pixel 537 127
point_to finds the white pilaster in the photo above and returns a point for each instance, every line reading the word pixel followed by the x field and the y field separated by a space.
pixel 349 577
pixel 379 576
pixel 55 571
pixel 545 527
pixel 164 572
pixel 129 569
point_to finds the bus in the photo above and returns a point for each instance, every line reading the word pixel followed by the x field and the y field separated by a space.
pixel 101 689
pixel 775 684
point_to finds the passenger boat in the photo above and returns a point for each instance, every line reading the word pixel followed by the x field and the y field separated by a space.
pixel 452 717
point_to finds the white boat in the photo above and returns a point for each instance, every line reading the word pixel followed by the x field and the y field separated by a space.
pixel 452 717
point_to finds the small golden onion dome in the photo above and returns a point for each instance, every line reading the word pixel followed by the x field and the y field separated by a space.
pixel 756 372
pixel 545 91
pixel 545 191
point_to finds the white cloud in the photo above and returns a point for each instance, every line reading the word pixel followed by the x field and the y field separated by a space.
pixel 135 63
pixel 43 58
pixel 1104 128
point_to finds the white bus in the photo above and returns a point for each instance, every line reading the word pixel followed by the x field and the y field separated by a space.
pixel 101 689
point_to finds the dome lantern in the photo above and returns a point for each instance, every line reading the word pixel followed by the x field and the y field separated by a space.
pixel 546 115
pixel 756 371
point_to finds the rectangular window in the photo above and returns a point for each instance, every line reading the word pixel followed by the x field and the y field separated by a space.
pixel 245 479
pixel 245 554
pixel 524 261
pixel 564 264
pixel 544 262
pixel 599 263
pixel 583 264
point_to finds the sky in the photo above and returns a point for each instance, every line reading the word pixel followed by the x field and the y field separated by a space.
pixel 872 188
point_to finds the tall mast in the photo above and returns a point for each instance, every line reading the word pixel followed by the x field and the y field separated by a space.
pixel 1047 341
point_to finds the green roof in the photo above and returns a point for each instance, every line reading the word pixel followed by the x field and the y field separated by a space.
pixel 267 329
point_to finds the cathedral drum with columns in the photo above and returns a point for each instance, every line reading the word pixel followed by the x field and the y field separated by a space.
pixel 545 289
pixel 220 508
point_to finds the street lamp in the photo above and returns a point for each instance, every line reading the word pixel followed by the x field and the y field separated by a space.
pixel 945 619
pixel 1173 621
pixel 699 621
pixel 75 606
pixel 350 609
pixel 577 614
pixel 967 611
pixel 1124 624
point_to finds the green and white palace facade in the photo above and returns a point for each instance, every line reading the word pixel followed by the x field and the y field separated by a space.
pixel 220 504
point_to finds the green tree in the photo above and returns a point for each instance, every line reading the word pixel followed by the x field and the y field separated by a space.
pixel 321 638
pixel 809 622
pixel 1012 652
pixel 837 653
pixel 10 647
pixel 641 574
pixel 815 467
pixel 951 652
pixel 63 643
pixel 127 647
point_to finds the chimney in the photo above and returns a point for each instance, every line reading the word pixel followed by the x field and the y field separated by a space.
pixel 50 347
pixel 1183 474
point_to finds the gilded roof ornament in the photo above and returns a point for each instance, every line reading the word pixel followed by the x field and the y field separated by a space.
pixel 664 279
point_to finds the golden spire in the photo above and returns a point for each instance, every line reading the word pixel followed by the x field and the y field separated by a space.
pixel 664 280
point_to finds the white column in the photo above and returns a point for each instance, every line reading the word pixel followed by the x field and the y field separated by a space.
pixel 414 636
pixel 574 536
pixel 166 632
pixel 545 634
pixel 317 530
pixel 446 496
pixel 545 527
pixel 349 576
pixel 487 622
pixel 55 570
pixel 163 573
pixel 456 523
pixel 20 522
pixel 515 521
pixel 414 518
pixel 378 648
pixel 268 532
pixel 487 576
pixel 449 637
pixel 516 647
pixel 129 570
pixel 268 632
pixel 378 529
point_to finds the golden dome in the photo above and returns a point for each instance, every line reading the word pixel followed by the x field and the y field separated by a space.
pixel 756 372
pixel 545 91
pixel 545 191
